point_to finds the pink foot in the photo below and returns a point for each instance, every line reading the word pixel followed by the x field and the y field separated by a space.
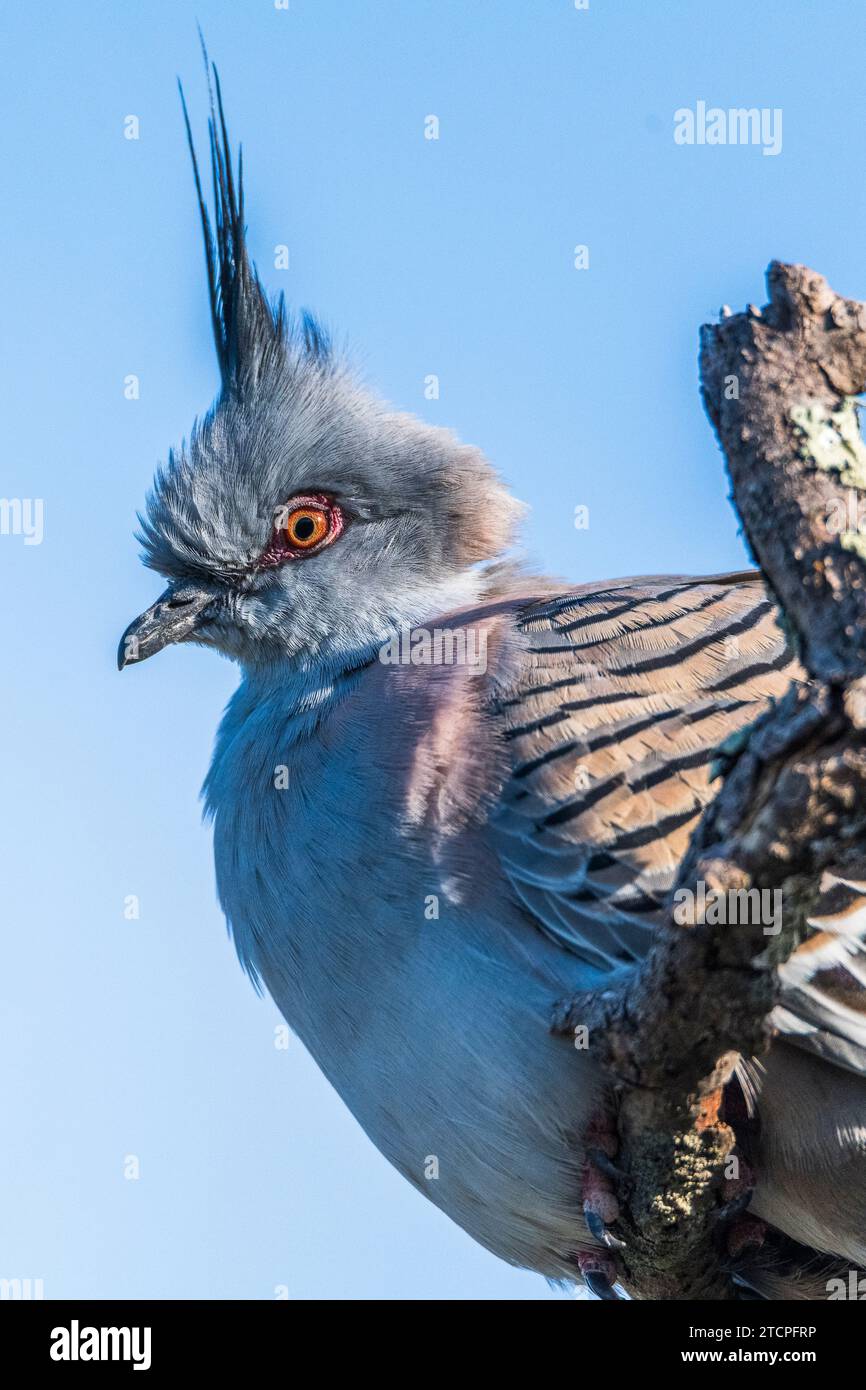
pixel 600 1203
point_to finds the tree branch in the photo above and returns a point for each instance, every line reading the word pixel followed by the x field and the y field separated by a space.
pixel 778 387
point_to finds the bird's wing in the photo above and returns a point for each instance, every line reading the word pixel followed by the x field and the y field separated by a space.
pixel 823 1004
pixel 614 713
pixel 619 703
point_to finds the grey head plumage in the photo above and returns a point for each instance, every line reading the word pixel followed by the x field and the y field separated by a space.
pixel 411 515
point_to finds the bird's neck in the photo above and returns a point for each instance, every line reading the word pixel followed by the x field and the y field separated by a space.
pixel 283 702
pixel 304 685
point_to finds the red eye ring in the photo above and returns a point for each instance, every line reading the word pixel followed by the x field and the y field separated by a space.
pixel 302 526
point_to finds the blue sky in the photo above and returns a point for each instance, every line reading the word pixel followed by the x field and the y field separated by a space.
pixel 452 257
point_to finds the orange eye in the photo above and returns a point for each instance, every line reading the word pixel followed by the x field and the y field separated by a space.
pixel 302 526
pixel 306 526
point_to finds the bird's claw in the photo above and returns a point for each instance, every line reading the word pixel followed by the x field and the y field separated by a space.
pixel 606 1165
pixel 598 1230
pixel 599 1274
pixel 601 1286
pixel 729 1211
pixel 744 1294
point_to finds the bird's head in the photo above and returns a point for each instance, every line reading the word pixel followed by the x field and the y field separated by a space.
pixel 305 520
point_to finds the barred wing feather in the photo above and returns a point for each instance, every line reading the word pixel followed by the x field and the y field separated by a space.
pixel 624 695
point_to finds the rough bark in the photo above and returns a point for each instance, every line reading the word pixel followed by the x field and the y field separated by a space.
pixel 778 385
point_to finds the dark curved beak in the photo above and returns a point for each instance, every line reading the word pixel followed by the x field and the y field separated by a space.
pixel 175 617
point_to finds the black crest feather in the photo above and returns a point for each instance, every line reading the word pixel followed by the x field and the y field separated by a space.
pixel 248 331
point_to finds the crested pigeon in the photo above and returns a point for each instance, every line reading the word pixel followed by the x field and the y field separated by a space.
pixel 448 792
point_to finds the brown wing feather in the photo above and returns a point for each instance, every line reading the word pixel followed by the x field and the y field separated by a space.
pixel 623 696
